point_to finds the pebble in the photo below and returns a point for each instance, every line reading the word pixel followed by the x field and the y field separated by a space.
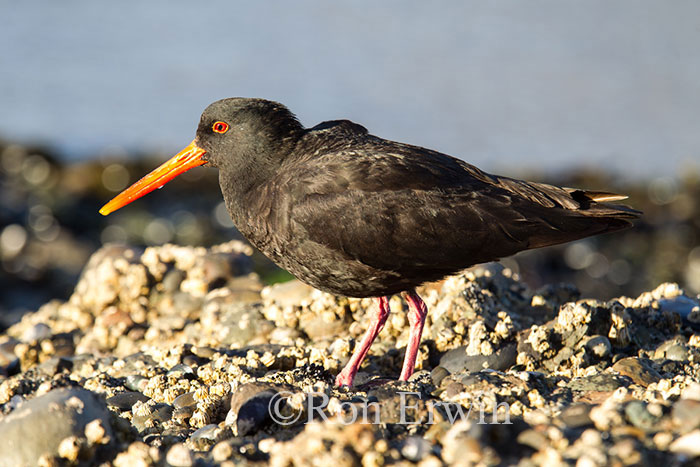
pixel 686 414
pixel 126 400
pixel 438 374
pixel 678 353
pixel 688 444
pixel 601 382
pixel 180 456
pixel 39 426
pixel 156 414
pixel 600 346
pixel 136 382
pixel 457 360
pixel 38 332
pixel 639 416
pixel 415 448
pixel 181 371
pixel 638 371
pixel 250 408
pixel 184 400
pixel 176 324
pixel 206 436
pixel 577 415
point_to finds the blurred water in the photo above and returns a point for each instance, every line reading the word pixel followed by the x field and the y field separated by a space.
pixel 543 84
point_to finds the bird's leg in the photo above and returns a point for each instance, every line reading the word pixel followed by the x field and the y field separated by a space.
pixel 347 375
pixel 416 318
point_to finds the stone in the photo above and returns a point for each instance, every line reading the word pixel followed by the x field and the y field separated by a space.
pixel 250 407
pixel 688 444
pixel 38 427
pixel 125 400
pixel 458 360
pixel 637 370
pixel 577 415
pixel 602 382
pixel 686 414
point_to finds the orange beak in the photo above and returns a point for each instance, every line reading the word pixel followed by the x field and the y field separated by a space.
pixel 183 161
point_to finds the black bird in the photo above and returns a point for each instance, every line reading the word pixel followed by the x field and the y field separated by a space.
pixel 357 215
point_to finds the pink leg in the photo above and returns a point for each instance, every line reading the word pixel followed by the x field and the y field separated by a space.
pixel 416 318
pixel 347 375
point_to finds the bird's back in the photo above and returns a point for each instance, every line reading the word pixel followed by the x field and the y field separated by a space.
pixel 358 215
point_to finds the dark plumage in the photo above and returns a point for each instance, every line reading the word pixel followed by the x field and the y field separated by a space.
pixel 356 215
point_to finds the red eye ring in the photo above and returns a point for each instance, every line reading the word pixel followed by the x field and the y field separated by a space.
pixel 220 127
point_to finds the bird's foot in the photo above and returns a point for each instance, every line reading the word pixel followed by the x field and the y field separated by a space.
pixel 345 378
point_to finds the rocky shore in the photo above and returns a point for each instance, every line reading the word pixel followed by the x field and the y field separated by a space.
pixel 180 356
pixel 49 227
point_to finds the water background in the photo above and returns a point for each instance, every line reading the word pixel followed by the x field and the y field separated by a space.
pixel 541 86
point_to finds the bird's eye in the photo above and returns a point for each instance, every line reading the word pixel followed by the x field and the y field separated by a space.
pixel 220 127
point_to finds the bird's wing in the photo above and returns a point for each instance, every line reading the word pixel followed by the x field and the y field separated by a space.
pixel 402 209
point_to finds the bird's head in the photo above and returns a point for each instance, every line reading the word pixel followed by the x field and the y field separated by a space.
pixel 244 138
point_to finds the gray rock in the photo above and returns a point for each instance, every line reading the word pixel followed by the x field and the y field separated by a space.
pixel 159 414
pixel 250 407
pixel 686 414
pixel 181 371
pixel 172 280
pixel 207 435
pixel 603 382
pixel 639 371
pixel 184 400
pixel 577 415
pixel 55 365
pixel 438 374
pixel 677 353
pixel 38 426
pixel 415 448
pixel 36 333
pixel 126 400
pixel 638 415
pixel 457 360
pixel 136 382
pixel 599 346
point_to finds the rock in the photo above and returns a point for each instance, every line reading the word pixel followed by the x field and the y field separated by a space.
pixel 577 415
pixel 180 456
pixel 184 400
pixel 415 448
pixel 149 415
pixel 599 346
pixel 206 436
pixel 55 365
pixel 250 407
pixel 126 400
pixel 457 360
pixel 691 391
pixel 292 293
pixel 36 333
pixel 535 439
pixel 638 415
pixel 233 323
pixel 637 370
pixel 686 307
pixel 136 382
pixel 686 414
pixel 181 371
pixel 677 353
pixel 438 374
pixel 602 382
pixel 688 444
pixel 39 426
